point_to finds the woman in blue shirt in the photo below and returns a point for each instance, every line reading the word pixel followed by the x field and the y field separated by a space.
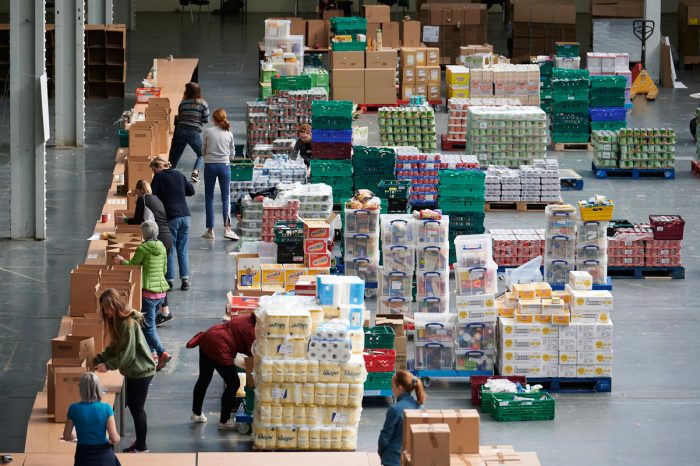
pixel 391 436
pixel 94 422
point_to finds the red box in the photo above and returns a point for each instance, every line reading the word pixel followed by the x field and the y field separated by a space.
pixel 315 246
pixel 667 226
pixel 380 360
pixel 317 229
pixel 318 260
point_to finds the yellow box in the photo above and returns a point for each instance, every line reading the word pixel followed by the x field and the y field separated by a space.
pixel 292 272
pixel 314 271
pixel 543 290
pixel 563 295
pixel 543 319
pixel 504 311
pixel 457 75
pixel 597 213
pixel 561 319
pixel 524 318
pixel 458 92
pixel 553 306
pixel 529 306
pixel 272 274
pixel 590 300
pixel 524 290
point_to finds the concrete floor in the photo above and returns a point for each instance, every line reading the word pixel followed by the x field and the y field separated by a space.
pixel 651 416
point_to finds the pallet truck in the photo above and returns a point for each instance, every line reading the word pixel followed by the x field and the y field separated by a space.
pixel 643 84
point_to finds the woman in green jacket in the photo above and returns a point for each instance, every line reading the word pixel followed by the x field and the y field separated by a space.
pixel 152 256
pixel 128 353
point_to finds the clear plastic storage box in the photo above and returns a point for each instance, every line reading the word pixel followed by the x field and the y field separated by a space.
pixel 433 231
pixel 476 336
pixel 398 229
pixel 473 250
pixel 477 280
pixel 433 258
pixel 434 356
pixel 434 328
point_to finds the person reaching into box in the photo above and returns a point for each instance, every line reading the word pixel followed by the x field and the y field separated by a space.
pixel 128 352
pixel 218 347
pixel 92 419
pixel 391 436
pixel 192 115
pixel 153 258
pixel 149 207
pixel 302 148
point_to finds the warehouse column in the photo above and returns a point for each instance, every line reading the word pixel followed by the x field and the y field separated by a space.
pixel 27 142
pixel 652 11
pixel 125 13
pixel 100 12
pixel 70 73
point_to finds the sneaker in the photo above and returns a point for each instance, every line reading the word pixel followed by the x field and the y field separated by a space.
pixel 163 360
pixel 228 425
pixel 198 418
pixel 195 177
pixel 185 285
pixel 171 284
pixel 229 234
pixel 209 234
pixel 162 320
pixel 133 449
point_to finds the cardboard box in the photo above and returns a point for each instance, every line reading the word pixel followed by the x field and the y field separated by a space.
pixel 408 76
pixel 434 92
pixel 91 325
pixel 430 445
pixel 466 460
pixel 50 388
pixel 83 285
pixel 617 8
pixel 408 57
pixel 391 34
pixel 418 416
pixel 248 270
pixel 590 300
pixel 395 321
pixel 292 273
pixel 72 350
pixel 380 86
pixel 349 84
pixel 272 274
pixel 377 13
pixel 407 91
pixel 382 59
pixel 347 61
pixel 432 56
pixel 318 260
pixel 464 430
pixel 328 14
pixel 410 33
pixel 66 389
pixel 689 31
pixel 421 89
pixel 316 36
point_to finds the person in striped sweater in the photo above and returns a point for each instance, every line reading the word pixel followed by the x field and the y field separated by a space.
pixel 192 115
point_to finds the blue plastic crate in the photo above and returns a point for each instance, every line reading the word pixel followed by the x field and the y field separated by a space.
pixel 331 135
pixel 608 113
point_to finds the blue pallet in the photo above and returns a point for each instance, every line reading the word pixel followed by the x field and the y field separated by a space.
pixel 638 273
pixel 573 385
pixel 596 286
pixel 331 135
pixel 379 393
pixel 608 113
pixel 634 173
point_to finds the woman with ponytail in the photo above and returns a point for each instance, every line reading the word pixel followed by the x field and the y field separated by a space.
pixel 391 436
pixel 219 149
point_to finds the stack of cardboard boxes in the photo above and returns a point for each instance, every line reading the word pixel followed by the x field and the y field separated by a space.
pixel 689 31
pixel 420 73
pixel 147 139
pixel 379 19
pixel 451 437
pixel 448 26
pixel 71 357
pixel 538 24
pixel 364 77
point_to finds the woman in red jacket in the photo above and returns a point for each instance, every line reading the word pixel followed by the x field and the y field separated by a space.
pixel 218 347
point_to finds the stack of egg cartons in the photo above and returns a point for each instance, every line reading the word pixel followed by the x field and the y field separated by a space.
pixel 560 243
pixel 309 376
pixel 399 253
pixel 432 264
pixel 362 244
pixel 592 249
pixel 433 350
pixel 476 277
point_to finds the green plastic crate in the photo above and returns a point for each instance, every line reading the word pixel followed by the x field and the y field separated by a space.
pixel 378 380
pixel 487 398
pixel 607 101
pixel 455 204
pixel 331 108
pixel 242 170
pixel 331 122
pixel 466 220
pixel 580 106
pixel 567 49
pixel 354 46
pixel 330 168
pixel 573 95
pixel 608 125
pixel 562 73
pixel 123 137
pixel 570 138
pixel 506 407
pixel 546 68
pixel 462 177
pixel 291 83
pixel 288 231
pixel 379 337
pixel 605 81
pixel 394 189
pixel 348 25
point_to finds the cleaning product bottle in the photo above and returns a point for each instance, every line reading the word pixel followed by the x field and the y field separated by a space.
pixel 379 39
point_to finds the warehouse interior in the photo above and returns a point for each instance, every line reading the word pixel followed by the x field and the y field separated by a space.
pixel 651 413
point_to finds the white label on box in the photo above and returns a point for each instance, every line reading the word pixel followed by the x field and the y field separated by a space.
pixel 568 371
pixel 595 357
pixel 567 344
pixel 519 369
pixel 550 344
pixel 279 393
pixel 593 344
pixel 522 357
pixel 568 331
pixel 534 344
pixel 431 34
pixel 550 370
pixel 590 317
pixel 340 418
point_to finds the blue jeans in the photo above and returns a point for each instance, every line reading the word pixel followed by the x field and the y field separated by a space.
pixel 180 230
pixel 221 172
pixel 186 135
pixel 149 308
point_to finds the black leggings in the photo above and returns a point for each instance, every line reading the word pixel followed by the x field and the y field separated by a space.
pixel 136 393
pixel 206 372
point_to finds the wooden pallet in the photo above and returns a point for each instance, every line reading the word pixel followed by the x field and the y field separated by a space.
pixel 695 167
pixel 638 273
pixel 374 108
pixel 446 145
pixel 573 385
pixel 634 173
pixel 572 146
pixel 570 180
pixel 520 206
